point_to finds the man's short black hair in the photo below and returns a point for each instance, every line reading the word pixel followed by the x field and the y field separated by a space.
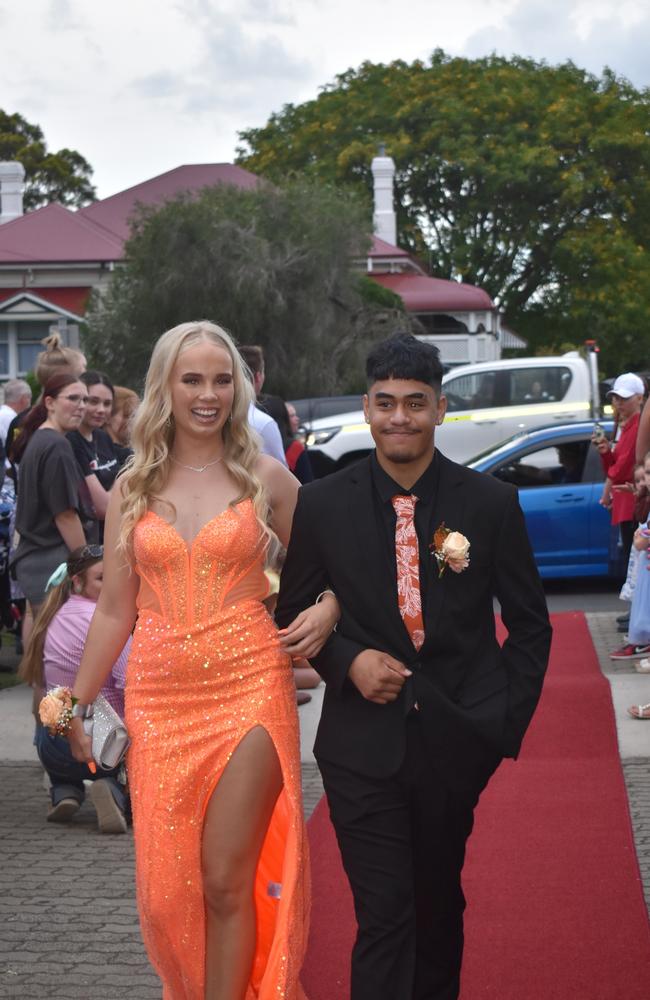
pixel 403 356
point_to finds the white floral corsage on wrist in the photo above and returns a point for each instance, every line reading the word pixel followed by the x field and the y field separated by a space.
pixel 450 548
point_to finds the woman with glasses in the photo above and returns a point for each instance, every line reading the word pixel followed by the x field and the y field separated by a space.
pixel 51 660
pixel 52 503
pixel 214 761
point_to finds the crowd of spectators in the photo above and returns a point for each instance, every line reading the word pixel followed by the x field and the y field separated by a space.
pixel 626 493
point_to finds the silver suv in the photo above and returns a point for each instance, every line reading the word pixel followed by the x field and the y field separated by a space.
pixel 486 403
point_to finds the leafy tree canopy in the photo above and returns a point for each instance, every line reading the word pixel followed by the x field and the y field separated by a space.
pixel 63 176
pixel 271 265
pixel 529 180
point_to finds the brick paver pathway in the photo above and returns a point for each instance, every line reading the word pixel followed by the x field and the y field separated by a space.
pixel 67 909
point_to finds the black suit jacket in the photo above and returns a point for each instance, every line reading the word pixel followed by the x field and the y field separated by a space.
pixel 475 698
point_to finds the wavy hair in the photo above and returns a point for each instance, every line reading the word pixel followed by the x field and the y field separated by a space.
pixel 152 434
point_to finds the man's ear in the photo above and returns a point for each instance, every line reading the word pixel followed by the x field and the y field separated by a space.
pixel 366 403
pixel 442 409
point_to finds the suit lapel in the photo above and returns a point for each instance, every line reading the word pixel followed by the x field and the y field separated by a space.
pixel 449 509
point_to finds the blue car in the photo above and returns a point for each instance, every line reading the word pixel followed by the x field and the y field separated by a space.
pixel 560 480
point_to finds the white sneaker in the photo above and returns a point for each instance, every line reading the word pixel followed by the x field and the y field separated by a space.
pixel 643 666
pixel 110 818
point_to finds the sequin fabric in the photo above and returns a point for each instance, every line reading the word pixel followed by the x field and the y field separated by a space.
pixel 206 668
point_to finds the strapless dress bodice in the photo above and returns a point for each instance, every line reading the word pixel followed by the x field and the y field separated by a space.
pixel 192 584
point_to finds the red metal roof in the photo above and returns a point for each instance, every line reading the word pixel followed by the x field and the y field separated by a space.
pixel 422 294
pixel 54 234
pixel 114 213
pixel 380 248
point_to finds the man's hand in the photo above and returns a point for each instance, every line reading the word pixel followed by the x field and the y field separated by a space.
pixel 378 676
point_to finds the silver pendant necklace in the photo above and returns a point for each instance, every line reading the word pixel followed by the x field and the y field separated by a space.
pixel 196 468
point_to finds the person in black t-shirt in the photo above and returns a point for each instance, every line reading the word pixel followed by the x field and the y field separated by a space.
pixel 93 447
pixel 50 512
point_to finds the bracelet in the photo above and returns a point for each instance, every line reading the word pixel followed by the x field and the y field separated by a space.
pixel 80 711
pixel 320 597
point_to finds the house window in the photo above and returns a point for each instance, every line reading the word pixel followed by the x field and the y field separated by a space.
pixel 29 334
pixel 20 344
pixel 4 350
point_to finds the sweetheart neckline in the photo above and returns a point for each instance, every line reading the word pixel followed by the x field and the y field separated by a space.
pixel 189 547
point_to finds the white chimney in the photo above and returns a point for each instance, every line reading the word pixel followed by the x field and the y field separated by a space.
pixel 12 178
pixel 383 172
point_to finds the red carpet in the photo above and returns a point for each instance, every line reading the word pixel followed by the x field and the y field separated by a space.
pixel 555 908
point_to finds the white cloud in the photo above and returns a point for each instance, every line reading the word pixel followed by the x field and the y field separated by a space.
pixel 592 35
pixel 139 88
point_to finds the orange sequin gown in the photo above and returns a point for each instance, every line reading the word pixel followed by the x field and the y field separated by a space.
pixel 205 668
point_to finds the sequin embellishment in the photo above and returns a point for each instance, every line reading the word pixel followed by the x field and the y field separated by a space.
pixel 206 668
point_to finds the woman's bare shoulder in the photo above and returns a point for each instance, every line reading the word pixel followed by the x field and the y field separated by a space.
pixel 271 473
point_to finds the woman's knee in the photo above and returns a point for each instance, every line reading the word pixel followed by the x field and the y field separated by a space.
pixel 227 889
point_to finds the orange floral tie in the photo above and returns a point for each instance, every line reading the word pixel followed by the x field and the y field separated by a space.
pixel 407 554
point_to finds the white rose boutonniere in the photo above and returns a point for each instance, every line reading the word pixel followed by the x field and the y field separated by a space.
pixel 450 548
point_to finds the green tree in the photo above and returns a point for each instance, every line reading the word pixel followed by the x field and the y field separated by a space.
pixel 529 180
pixel 272 265
pixel 63 176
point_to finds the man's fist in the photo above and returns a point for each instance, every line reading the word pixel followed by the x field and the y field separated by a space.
pixel 378 676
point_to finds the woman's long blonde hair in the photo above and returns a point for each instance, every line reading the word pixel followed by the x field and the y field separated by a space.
pixel 152 435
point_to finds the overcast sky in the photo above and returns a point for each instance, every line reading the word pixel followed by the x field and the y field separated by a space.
pixel 139 86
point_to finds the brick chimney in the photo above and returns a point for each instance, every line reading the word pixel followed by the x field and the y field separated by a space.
pixel 383 172
pixel 12 178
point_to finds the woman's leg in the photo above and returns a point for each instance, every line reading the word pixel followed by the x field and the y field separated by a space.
pixel 236 823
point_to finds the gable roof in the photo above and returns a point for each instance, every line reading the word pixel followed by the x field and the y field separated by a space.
pixel 421 294
pixel 96 234
pixel 26 304
pixel 55 234
pixel 113 213
pixel 380 248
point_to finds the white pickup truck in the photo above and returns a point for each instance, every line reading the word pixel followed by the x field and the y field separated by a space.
pixel 487 402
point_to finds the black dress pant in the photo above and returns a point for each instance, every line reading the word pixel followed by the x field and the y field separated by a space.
pixel 402 841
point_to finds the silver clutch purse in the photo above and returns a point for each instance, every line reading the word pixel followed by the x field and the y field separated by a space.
pixel 108 733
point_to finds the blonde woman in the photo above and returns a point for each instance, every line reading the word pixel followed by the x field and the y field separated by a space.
pixel 214 765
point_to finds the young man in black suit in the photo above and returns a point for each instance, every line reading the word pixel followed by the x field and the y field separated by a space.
pixel 421 702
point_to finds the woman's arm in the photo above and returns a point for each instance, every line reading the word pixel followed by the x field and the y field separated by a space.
pixel 115 613
pixel 98 495
pixel 282 492
pixel 643 433
pixel 69 527
pixel 308 632
pixel 112 624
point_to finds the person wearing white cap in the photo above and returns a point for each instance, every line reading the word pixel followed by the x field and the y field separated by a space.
pixel 626 397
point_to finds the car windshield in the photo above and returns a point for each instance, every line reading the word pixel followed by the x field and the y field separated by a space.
pixel 520 437
pixel 495 449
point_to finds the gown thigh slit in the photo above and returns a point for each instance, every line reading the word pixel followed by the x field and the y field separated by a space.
pixel 205 670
